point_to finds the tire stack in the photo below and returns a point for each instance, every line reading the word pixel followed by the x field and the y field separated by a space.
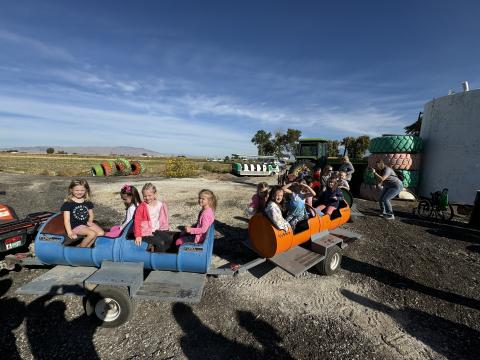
pixel 401 153
pixel 118 167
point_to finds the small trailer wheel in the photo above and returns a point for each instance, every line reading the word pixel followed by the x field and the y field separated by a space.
pixel 331 264
pixel 110 305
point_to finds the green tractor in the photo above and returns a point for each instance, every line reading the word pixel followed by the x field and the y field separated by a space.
pixel 311 153
pixel 311 156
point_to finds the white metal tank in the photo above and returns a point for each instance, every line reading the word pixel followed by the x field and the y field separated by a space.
pixel 451 151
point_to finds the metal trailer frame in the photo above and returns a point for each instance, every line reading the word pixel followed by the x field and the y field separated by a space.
pixel 109 291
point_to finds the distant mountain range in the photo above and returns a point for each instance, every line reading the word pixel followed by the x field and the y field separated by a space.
pixel 89 150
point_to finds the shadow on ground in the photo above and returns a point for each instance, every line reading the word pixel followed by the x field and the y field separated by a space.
pixel 201 342
pixel 395 280
pixel 455 341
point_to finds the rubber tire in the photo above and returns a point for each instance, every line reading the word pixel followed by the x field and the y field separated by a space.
pixel 295 168
pixel 97 170
pixel 450 213
pixel 347 195
pixel 119 295
pixel 370 192
pixel 397 161
pixel 424 209
pixel 369 177
pixel 324 266
pixel 107 168
pixel 395 144
pixel 410 178
pixel 137 167
pixel 123 166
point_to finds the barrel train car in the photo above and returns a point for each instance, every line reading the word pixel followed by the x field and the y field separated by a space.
pixel 317 241
pixel 112 273
pixel 53 247
pixel 115 271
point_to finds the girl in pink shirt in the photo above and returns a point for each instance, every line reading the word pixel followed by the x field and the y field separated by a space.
pixel 151 219
pixel 197 234
pixel 259 200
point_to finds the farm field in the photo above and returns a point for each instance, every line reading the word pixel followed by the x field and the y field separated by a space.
pixel 408 290
pixel 80 165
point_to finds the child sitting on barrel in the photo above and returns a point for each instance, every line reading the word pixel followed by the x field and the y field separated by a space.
pixel 275 207
pixel 330 198
pixel 298 192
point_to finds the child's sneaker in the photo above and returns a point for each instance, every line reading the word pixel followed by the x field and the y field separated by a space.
pixel 389 217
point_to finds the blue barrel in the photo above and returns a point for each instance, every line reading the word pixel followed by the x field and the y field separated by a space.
pixel 50 250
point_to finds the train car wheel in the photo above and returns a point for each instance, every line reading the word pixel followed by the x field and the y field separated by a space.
pixel 331 264
pixel 111 306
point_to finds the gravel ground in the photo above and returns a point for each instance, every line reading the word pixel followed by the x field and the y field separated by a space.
pixel 408 290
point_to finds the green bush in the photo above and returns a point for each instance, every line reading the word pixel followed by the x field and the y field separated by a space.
pixel 217 168
pixel 180 167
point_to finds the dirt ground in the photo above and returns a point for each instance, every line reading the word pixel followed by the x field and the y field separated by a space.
pixel 408 290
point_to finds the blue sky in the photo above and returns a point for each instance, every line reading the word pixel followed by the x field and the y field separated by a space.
pixel 201 77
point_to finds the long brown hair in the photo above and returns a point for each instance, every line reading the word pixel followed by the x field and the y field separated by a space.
pixel 271 196
pixel 76 182
pixel 131 191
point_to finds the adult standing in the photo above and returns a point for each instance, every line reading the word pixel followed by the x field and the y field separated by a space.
pixel 347 167
pixel 392 186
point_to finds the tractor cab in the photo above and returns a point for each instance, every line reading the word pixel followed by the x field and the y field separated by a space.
pixel 311 152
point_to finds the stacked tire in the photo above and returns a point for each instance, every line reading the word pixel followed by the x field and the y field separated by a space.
pixel 118 167
pixel 401 153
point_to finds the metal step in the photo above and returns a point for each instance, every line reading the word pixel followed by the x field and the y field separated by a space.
pixel 172 286
pixel 297 260
pixel 59 280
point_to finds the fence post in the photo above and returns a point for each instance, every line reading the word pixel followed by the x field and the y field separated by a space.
pixel 475 216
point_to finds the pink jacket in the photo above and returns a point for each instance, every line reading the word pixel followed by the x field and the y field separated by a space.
pixel 205 219
pixel 141 223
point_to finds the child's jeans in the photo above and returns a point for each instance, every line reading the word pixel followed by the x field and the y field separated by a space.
pixel 294 219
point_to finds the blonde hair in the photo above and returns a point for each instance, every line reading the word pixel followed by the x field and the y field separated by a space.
pixel 149 186
pixel 77 182
pixel 211 195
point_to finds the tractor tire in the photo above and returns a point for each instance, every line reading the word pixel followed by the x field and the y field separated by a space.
pixel 369 177
pixel 296 168
pixel 410 178
pixel 397 161
pixel 110 305
pixel 108 168
pixel 97 170
pixel 347 195
pixel 395 144
pixel 137 167
pixel 370 192
pixel 123 166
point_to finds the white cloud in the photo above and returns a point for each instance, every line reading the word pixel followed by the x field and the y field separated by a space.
pixel 87 126
pixel 40 47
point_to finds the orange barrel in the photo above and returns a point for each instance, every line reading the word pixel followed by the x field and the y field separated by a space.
pixel 268 241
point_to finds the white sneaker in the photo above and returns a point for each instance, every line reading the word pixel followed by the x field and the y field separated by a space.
pixel 389 217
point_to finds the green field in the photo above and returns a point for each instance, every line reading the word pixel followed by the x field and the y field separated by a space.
pixel 80 165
